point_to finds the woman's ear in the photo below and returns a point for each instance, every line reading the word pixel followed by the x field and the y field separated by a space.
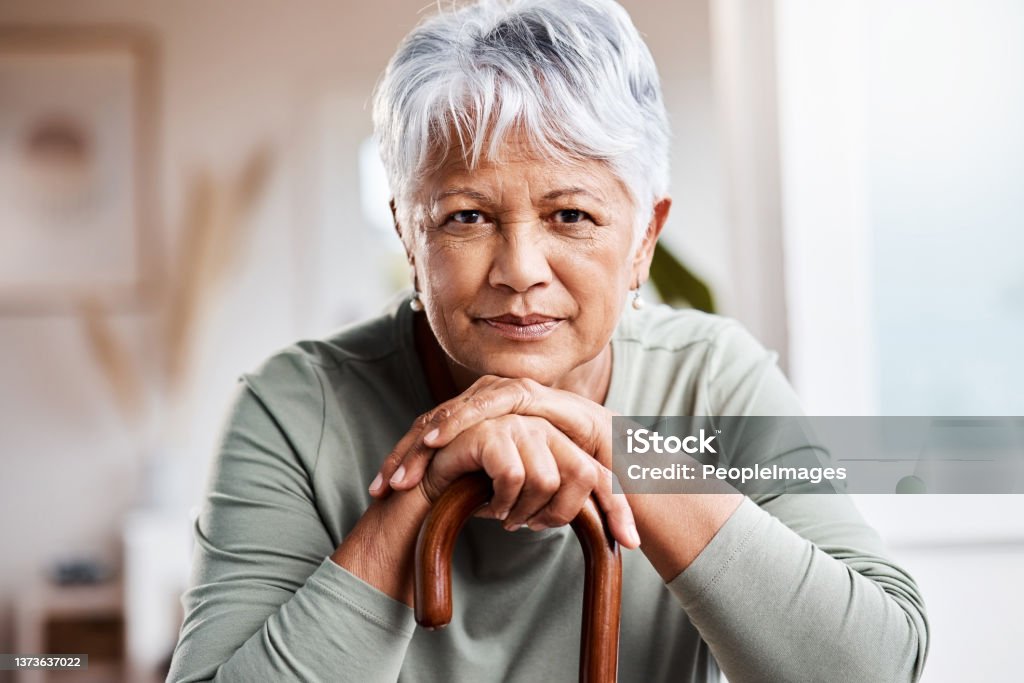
pixel 394 217
pixel 398 229
pixel 645 250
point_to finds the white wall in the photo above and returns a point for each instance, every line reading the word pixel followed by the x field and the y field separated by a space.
pixel 900 129
pixel 822 90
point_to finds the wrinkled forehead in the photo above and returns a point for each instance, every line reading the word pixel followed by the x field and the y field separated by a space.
pixel 517 159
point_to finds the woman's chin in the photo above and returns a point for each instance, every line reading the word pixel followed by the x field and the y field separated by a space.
pixel 544 370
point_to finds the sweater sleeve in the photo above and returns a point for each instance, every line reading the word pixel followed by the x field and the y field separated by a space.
pixel 266 602
pixel 796 587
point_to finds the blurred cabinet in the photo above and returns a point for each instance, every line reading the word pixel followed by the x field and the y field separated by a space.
pixel 87 620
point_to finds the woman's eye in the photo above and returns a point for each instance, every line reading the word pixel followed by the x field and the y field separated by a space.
pixel 467 217
pixel 571 216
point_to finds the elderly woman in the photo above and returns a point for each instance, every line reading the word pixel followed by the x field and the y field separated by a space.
pixel 527 146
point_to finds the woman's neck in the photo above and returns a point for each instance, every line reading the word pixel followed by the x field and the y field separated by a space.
pixel 447 379
pixel 434 360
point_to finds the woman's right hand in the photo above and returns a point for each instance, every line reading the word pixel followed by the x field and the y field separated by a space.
pixel 541 477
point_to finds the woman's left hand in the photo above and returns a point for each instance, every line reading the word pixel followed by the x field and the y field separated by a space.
pixel 585 422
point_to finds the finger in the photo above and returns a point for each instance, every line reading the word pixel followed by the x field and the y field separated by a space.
pixel 486 512
pixel 579 476
pixel 494 398
pixel 502 463
pixel 463 404
pixel 490 448
pixel 458 458
pixel 582 420
pixel 404 468
pixel 542 480
pixel 616 509
pixel 414 463
pixel 380 484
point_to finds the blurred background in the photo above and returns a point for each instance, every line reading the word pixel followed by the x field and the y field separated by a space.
pixel 187 186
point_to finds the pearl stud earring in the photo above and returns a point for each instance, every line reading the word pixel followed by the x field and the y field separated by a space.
pixel 415 303
pixel 638 301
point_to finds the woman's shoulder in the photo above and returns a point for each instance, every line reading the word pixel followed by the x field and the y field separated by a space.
pixel 325 394
pixel 374 340
pixel 688 362
pixel 661 327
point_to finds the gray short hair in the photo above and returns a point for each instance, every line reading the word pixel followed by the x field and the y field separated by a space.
pixel 573 76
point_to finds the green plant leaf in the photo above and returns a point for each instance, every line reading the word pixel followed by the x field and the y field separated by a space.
pixel 676 285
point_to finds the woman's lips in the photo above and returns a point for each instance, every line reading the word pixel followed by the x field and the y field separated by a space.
pixel 523 328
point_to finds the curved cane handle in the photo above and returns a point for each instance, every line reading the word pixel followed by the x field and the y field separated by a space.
pixel 599 642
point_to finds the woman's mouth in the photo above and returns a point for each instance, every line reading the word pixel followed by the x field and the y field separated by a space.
pixel 524 328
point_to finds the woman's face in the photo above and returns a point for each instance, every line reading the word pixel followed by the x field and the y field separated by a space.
pixel 524 265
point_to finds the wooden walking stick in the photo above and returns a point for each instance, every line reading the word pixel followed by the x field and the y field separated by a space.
pixel 599 642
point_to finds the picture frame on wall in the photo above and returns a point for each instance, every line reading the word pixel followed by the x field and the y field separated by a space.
pixel 78 120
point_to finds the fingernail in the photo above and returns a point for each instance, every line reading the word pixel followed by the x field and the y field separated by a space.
pixel 375 485
pixel 634 537
pixel 502 515
pixel 535 526
pixel 399 476
pixel 432 435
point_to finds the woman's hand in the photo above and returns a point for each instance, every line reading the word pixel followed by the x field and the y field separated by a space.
pixel 585 422
pixel 575 420
pixel 541 477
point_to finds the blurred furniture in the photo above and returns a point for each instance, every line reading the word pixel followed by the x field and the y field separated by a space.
pixel 85 619
pixel 157 557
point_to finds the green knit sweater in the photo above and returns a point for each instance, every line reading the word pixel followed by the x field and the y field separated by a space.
pixel 792 588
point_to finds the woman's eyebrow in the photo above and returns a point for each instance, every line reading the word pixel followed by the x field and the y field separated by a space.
pixel 481 197
pixel 565 191
pixel 463 191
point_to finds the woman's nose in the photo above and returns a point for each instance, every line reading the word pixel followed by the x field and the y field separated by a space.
pixel 520 261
